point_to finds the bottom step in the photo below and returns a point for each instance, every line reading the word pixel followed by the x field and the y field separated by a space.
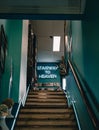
pixel 45 128
pixel 49 123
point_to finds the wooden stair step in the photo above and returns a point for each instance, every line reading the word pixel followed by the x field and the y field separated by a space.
pixel 47 116
pixel 45 100
pixel 47 96
pixel 45 128
pixel 46 123
pixel 48 110
pixel 45 104
pixel 47 92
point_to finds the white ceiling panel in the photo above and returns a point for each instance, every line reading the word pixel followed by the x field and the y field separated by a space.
pixel 43 30
pixel 49 56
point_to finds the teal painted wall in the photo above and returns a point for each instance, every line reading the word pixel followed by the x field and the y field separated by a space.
pixel 4 22
pixel 81 110
pixel 13 30
pixel 85 55
pixel 86 52
pixel 83 52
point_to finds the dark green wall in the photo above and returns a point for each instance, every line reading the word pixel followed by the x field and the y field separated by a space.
pixel 74 94
pixel 85 52
pixel 4 23
pixel 13 30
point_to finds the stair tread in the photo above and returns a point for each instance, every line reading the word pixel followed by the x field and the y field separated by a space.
pixel 46 123
pixel 45 103
pixel 45 128
pixel 45 100
pixel 47 96
pixel 46 92
pixel 46 116
pixel 42 110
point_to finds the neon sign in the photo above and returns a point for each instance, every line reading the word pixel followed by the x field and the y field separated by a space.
pixel 47 67
pixel 47 71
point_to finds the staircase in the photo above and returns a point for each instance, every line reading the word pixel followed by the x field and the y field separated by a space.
pixel 46 110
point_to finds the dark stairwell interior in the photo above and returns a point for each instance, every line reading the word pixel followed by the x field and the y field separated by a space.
pixel 87 25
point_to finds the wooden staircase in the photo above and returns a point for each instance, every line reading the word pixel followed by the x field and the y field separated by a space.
pixel 46 110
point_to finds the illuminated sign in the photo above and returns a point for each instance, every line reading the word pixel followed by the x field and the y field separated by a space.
pixel 47 67
pixel 45 71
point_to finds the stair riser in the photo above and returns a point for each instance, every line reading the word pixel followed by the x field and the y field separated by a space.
pixel 45 128
pixel 47 92
pixel 46 117
pixel 46 123
pixel 36 110
pixel 46 97
pixel 47 100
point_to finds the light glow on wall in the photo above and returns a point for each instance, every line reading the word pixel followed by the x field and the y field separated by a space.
pixel 64 83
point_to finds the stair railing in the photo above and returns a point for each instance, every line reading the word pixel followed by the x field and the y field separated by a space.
pixel 25 96
pixel 71 102
pixel 14 121
pixel 75 111
pixel 21 102
pixel 88 106
pixel 68 98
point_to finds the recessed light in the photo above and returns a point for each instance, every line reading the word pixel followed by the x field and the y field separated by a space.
pixel 56 43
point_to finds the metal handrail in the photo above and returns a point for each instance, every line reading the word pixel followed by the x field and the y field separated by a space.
pixel 25 96
pixel 72 102
pixel 89 108
pixel 12 128
pixel 21 102
pixel 76 115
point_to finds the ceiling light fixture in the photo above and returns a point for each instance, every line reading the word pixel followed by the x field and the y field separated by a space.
pixel 56 43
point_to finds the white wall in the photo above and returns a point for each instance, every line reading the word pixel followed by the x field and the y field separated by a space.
pixel 43 30
pixel 23 69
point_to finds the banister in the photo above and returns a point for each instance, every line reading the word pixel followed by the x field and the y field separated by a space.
pixel 85 99
pixel 76 115
pixel 21 102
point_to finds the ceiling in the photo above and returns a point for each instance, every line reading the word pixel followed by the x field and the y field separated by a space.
pixel 42 6
pixel 43 30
